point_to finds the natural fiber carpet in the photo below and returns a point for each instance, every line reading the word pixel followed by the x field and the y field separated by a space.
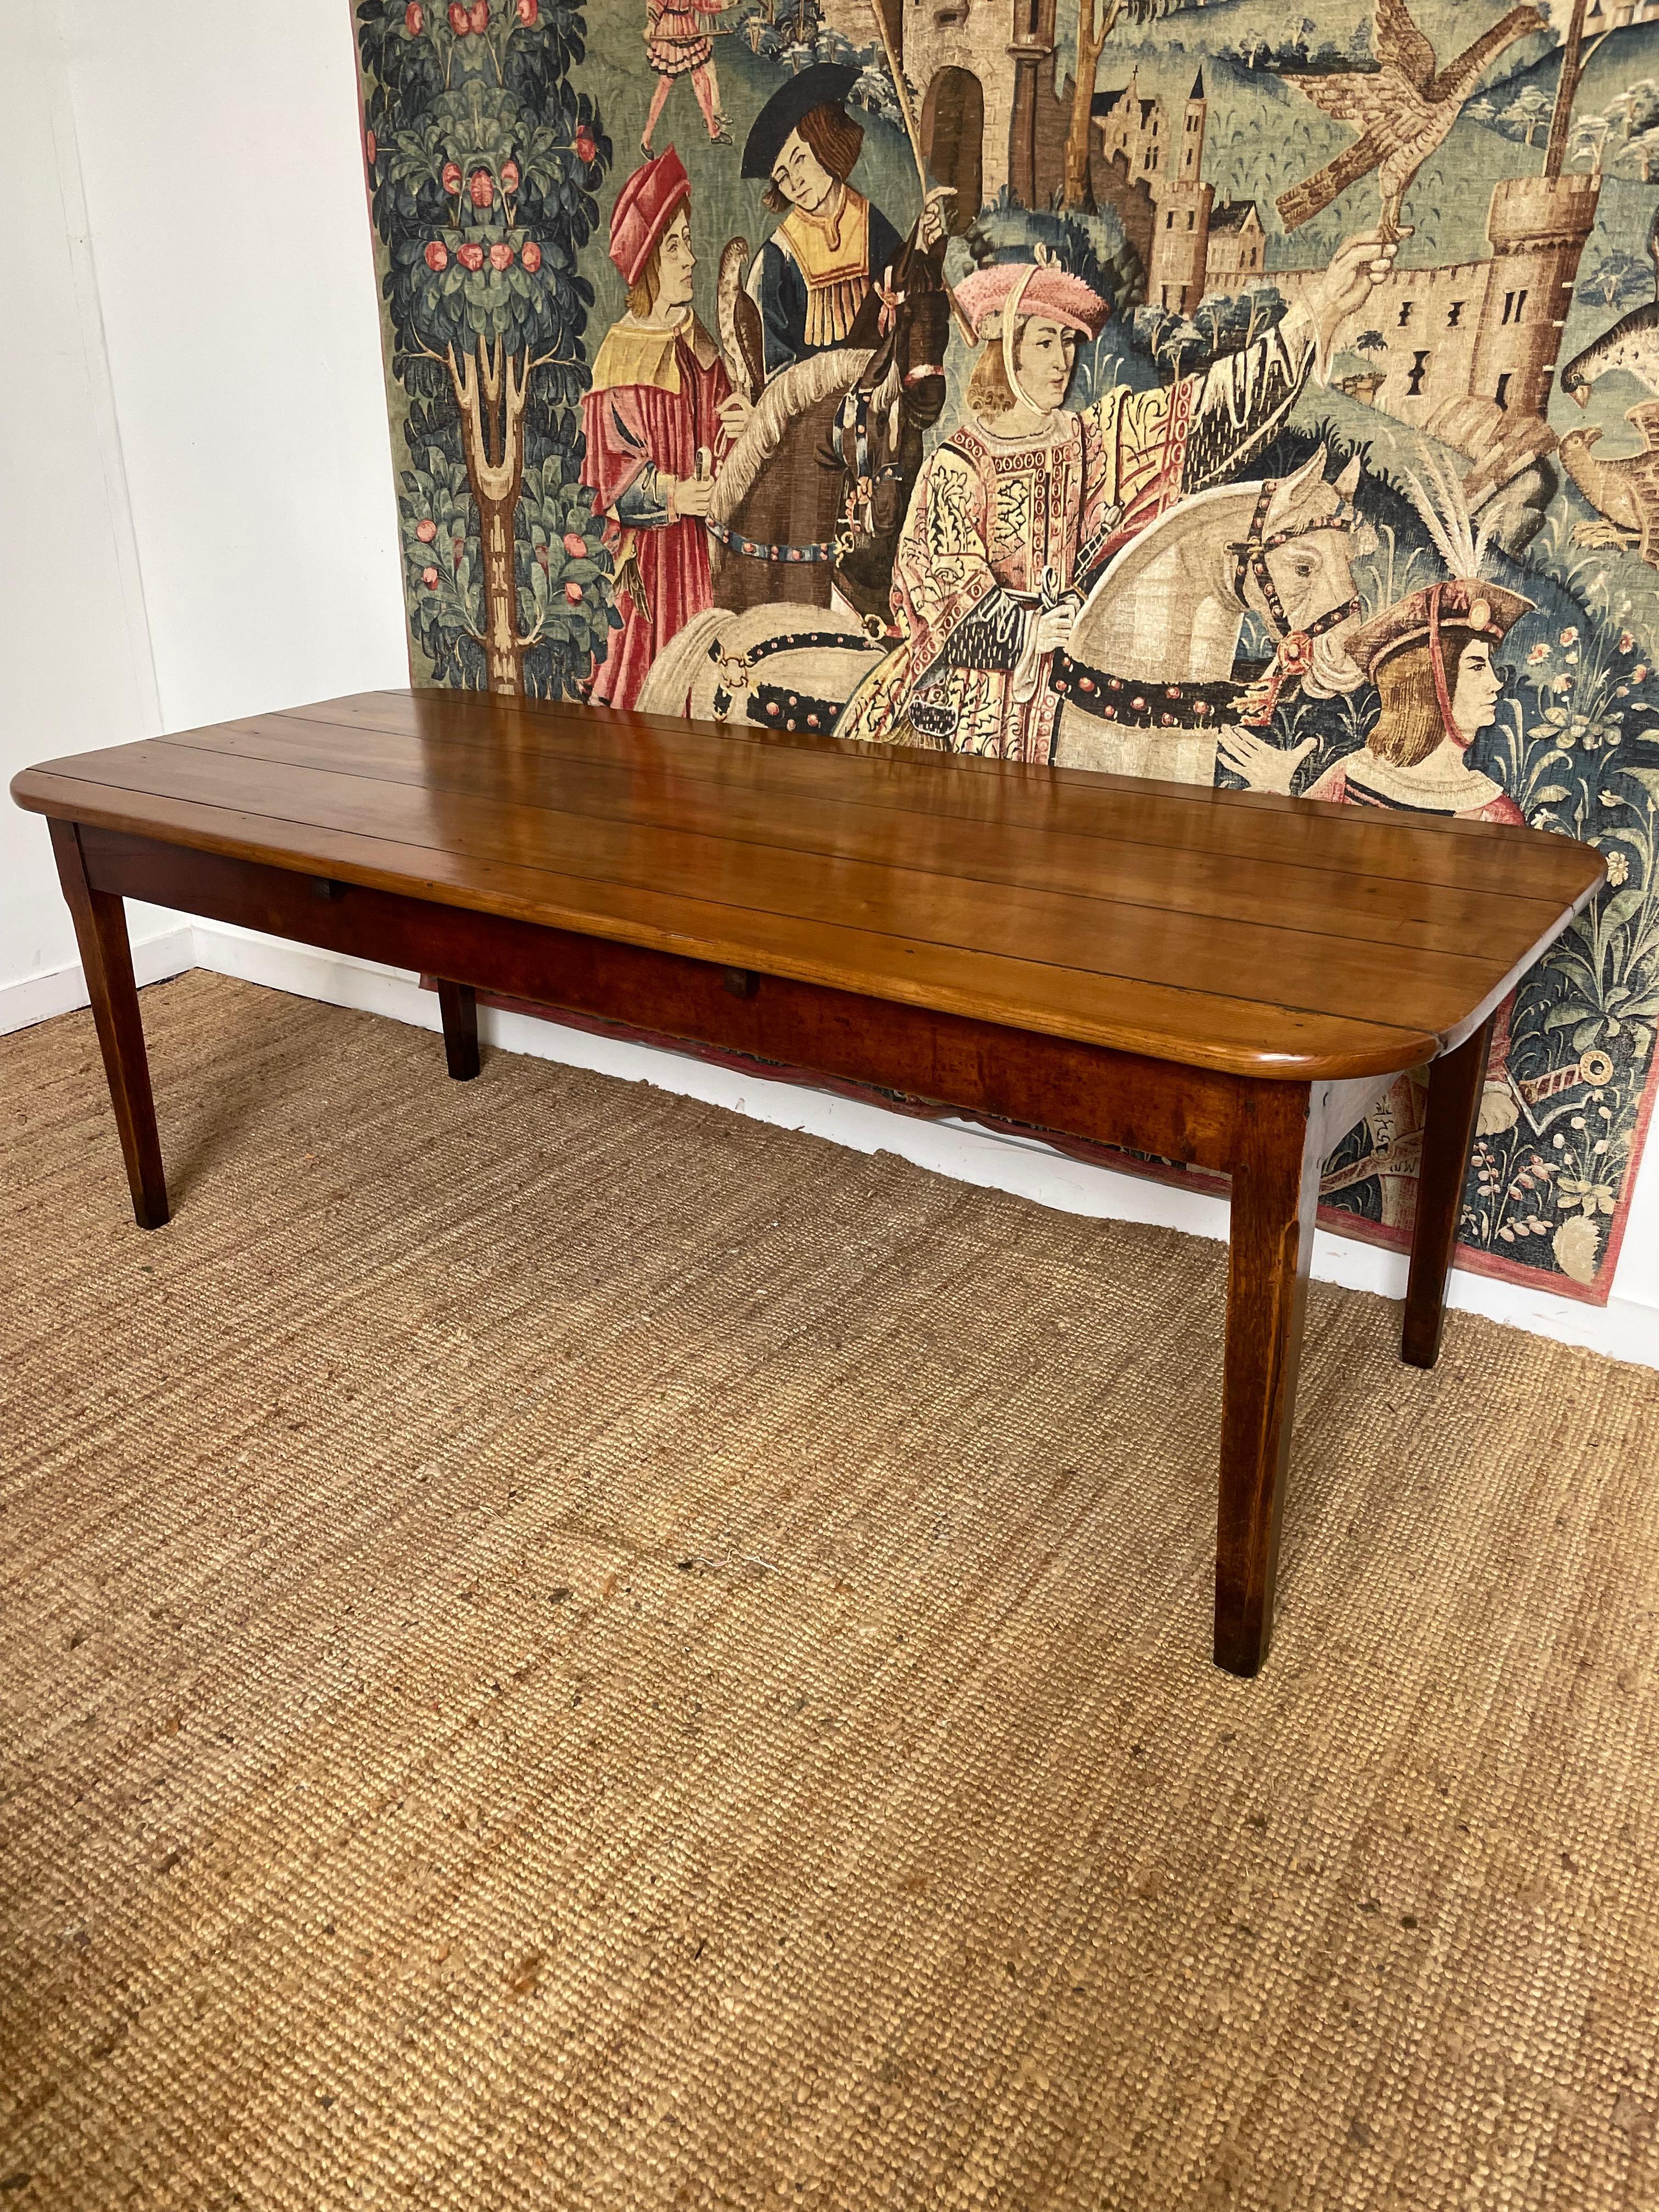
pixel 565 1649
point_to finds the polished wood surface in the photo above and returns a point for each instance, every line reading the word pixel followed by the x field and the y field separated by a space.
pixel 1226 930
pixel 1211 977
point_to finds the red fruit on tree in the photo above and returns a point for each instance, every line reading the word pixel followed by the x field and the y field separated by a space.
pixel 531 255
pixel 575 546
pixel 370 146
pixel 527 11
pixel 574 593
pixel 586 148
pixel 451 178
pixel 481 187
pixel 426 530
pixel 458 21
pixel 414 19
pixel 509 176
pixel 479 15
pixel 471 257
pixel 429 578
pixel 437 255
pixel 501 257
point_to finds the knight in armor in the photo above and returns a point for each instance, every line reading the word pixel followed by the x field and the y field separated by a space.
pixel 815 272
pixel 1017 511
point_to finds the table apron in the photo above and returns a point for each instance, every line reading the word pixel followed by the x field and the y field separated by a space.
pixel 1148 1105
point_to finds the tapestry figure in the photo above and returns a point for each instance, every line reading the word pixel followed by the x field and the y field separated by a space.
pixel 656 419
pixel 1026 501
pixel 678 44
pixel 1431 657
pixel 816 271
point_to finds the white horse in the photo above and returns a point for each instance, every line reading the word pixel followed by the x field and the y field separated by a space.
pixel 1147 674
pixel 777 666
pixel 1169 610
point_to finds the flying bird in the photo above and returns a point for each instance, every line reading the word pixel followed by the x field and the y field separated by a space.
pixel 1402 109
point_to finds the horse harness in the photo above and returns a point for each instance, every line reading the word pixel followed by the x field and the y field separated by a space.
pixel 774 706
pixel 849 440
pixel 1137 704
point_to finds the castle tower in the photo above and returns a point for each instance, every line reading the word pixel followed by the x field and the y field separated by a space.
pixel 1181 232
pixel 1036 130
pixel 1538 226
pixel 1186 159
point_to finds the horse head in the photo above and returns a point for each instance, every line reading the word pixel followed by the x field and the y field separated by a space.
pixel 877 437
pixel 1294 567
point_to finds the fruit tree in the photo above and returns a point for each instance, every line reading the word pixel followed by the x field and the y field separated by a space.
pixel 483 164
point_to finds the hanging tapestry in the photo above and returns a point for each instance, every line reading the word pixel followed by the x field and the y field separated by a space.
pixel 1168 387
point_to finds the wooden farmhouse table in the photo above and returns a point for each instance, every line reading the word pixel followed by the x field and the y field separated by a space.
pixel 1220 977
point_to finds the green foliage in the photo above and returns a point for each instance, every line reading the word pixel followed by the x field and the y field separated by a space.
pixel 565 606
pixel 484 162
pixel 443 566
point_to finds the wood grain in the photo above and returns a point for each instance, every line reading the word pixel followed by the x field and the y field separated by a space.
pixel 1265 938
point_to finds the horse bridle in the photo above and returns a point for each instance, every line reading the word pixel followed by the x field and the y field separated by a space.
pixel 1250 558
pixel 1135 704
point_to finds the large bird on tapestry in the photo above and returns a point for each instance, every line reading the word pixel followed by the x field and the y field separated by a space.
pixel 1402 109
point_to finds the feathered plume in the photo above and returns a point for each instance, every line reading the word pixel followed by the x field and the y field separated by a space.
pixel 1444 507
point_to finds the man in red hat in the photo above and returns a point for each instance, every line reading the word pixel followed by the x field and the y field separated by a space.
pixel 658 417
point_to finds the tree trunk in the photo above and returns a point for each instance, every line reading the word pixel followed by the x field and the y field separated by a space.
pixel 1074 189
pixel 489 392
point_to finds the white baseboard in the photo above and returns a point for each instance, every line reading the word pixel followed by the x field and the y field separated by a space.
pixel 61 990
pixel 1626 1327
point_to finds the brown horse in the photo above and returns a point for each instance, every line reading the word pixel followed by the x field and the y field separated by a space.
pixel 813 495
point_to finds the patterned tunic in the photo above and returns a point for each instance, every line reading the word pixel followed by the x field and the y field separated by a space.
pixel 1000 528
pixel 676 40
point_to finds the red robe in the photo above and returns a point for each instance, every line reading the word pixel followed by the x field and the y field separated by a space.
pixel 655 400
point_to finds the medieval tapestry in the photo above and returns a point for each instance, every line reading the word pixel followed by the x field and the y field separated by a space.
pixel 1185 388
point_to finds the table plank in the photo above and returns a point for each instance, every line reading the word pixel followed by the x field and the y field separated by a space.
pixel 1415 847
pixel 1381 910
pixel 1227 1035
pixel 1235 931
pixel 1094 942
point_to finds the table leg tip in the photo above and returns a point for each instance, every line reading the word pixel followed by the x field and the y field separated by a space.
pixel 1240 1654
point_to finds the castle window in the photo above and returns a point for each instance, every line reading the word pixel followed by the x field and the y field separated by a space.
pixel 1191 218
pixel 1454 314
pixel 1502 394
pixel 1419 369
pixel 1513 303
pixel 1405 307
pixel 1169 220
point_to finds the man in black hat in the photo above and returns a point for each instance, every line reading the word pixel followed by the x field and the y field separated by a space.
pixel 814 273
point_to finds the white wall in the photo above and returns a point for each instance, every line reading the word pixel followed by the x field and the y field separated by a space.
pixel 197 515
pixel 197 519
pixel 75 653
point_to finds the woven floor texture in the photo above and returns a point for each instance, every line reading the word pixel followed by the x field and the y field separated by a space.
pixel 563 1649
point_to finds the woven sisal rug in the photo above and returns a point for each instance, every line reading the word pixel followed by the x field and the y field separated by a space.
pixel 561 1649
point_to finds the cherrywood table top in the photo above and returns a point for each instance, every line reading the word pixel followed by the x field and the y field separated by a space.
pixel 1228 930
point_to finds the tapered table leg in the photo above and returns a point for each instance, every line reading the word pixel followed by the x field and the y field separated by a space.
pixel 1455 1081
pixel 101 930
pixel 458 1003
pixel 1275 1192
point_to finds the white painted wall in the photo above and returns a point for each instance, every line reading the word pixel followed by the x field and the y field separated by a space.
pixel 197 521
pixel 197 515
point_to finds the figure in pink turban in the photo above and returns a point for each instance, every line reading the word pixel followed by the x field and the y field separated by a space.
pixel 1020 509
